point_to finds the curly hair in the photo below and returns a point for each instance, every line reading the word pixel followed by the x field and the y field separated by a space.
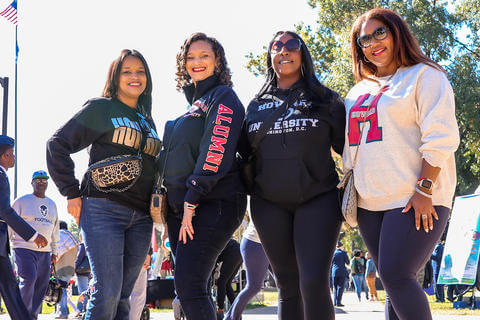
pixel 406 50
pixel 111 85
pixel 222 71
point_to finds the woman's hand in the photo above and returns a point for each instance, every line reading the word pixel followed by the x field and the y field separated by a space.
pixel 424 211
pixel 187 227
pixel 74 207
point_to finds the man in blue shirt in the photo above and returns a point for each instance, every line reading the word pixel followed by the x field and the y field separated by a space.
pixel 339 273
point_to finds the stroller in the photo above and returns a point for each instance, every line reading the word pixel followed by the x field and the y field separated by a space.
pixel 63 270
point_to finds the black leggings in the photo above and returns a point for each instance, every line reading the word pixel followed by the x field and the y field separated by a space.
pixel 231 259
pixel 399 252
pixel 299 242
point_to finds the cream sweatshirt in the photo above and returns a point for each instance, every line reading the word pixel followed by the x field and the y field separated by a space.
pixel 41 214
pixel 413 119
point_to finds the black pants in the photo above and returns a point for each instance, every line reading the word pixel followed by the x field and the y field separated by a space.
pixel 231 261
pixel 213 224
pixel 10 292
pixel 299 242
pixel 399 251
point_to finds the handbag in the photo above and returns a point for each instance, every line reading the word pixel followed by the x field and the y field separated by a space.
pixel 84 266
pixel 158 200
pixel 347 184
pixel 55 288
pixel 247 166
pixel 118 173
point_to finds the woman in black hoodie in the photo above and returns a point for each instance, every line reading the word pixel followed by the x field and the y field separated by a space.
pixel 294 201
pixel 206 198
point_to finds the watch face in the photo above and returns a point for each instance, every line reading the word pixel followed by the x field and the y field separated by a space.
pixel 426 184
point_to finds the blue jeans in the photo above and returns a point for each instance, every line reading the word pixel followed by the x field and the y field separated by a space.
pixel 360 284
pixel 214 223
pixel 34 272
pixel 117 239
pixel 82 285
pixel 63 305
pixel 338 288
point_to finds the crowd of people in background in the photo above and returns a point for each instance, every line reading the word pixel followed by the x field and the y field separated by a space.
pixel 398 120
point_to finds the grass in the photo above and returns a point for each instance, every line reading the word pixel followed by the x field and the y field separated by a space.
pixel 441 307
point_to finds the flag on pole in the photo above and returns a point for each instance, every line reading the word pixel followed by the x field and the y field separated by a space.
pixel 10 13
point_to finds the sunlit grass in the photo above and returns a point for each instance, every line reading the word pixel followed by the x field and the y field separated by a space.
pixel 441 307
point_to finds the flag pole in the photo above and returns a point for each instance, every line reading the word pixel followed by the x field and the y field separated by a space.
pixel 16 137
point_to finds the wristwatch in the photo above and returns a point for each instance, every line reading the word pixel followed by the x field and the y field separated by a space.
pixel 425 183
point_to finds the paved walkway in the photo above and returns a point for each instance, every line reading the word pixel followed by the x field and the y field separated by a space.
pixel 353 310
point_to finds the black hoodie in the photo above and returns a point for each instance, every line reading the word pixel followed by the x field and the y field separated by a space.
pixel 110 128
pixel 202 145
pixel 293 161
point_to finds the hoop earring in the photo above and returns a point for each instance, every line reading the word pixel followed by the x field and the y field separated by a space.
pixel 365 59
pixel 301 70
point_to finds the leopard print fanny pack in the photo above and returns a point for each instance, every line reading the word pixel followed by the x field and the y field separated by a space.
pixel 117 173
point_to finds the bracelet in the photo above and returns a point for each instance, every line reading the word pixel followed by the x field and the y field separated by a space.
pixel 417 189
pixel 190 206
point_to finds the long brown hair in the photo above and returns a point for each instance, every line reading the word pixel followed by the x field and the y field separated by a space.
pixel 111 85
pixel 406 50
pixel 222 71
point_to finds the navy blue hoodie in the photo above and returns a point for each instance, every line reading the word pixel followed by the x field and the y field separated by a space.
pixel 202 145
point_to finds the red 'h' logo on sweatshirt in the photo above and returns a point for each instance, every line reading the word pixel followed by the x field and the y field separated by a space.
pixel 358 114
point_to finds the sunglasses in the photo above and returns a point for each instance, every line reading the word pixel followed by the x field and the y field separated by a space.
pixel 366 40
pixel 290 45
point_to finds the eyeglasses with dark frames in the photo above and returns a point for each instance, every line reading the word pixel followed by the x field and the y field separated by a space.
pixel 366 40
pixel 290 45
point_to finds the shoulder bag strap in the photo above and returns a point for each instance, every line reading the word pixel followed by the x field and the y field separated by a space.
pixel 159 181
pixel 363 124
pixel 268 123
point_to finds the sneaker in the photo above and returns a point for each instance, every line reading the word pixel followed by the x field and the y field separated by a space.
pixel 340 305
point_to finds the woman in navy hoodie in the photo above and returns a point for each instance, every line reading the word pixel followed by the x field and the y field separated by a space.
pixel 294 201
pixel 206 198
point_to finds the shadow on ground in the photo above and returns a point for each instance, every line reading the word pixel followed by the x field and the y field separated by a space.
pixel 273 310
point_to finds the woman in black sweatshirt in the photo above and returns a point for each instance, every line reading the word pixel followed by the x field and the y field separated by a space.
pixel 115 221
pixel 206 198
pixel 294 202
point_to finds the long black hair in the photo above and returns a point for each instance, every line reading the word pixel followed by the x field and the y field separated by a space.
pixel 318 90
pixel 111 85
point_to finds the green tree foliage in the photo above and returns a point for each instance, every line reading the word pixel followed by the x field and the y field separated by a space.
pixel 448 33
pixel 74 229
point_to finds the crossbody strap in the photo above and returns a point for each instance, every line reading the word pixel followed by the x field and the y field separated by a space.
pixel 159 181
pixel 268 123
pixel 380 91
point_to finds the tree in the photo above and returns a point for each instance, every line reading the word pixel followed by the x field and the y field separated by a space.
pixel 449 35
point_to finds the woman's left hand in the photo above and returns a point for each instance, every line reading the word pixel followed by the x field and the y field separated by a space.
pixel 424 211
pixel 186 229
